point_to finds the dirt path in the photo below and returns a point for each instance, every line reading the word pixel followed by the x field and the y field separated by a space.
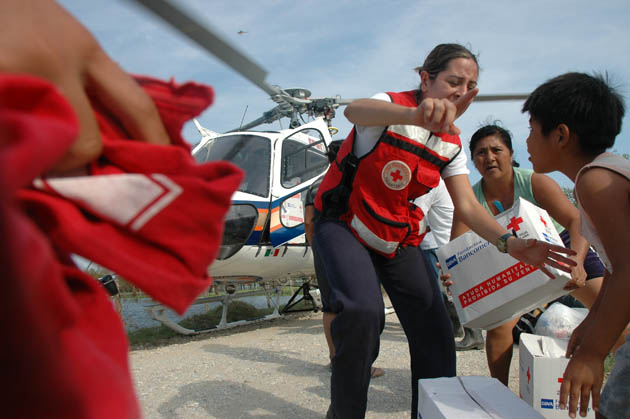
pixel 275 369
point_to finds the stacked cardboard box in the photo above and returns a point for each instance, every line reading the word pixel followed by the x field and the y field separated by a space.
pixel 541 367
pixel 470 398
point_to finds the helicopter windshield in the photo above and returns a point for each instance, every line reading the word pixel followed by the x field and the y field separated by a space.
pixel 251 153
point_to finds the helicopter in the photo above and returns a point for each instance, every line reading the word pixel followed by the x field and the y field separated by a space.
pixel 264 238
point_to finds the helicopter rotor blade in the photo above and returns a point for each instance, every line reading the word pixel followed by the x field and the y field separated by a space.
pixel 478 98
pixel 291 101
pixel 344 102
pixel 491 98
pixel 213 43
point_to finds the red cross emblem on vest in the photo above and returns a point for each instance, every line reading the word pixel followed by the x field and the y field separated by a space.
pixel 514 224
pixel 396 176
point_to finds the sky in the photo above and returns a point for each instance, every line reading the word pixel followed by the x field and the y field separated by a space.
pixel 356 48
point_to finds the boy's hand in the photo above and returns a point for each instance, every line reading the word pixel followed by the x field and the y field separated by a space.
pixel 583 376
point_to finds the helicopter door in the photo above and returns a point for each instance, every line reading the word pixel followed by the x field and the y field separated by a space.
pixel 299 159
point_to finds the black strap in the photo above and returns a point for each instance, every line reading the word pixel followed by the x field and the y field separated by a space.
pixel 335 200
pixel 412 148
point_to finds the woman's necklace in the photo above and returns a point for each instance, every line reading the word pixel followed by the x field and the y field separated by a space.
pixel 498 205
pixel 493 201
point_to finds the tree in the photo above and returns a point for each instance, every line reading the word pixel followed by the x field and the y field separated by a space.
pixel 569 193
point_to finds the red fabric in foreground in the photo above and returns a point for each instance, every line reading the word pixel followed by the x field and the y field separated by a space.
pixel 65 351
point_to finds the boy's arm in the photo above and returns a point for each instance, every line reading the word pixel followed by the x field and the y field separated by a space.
pixel 604 195
pixel 581 332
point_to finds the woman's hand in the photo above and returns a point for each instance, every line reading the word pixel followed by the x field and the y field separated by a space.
pixel 40 38
pixel 438 115
pixel 539 253
pixel 445 278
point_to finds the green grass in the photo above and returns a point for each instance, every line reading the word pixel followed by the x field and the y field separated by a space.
pixel 151 336
pixel 238 310
pixel 608 364
pixel 126 291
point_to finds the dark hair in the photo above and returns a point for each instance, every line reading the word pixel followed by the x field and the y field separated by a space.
pixel 489 130
pixel 441 55
pixel 588 105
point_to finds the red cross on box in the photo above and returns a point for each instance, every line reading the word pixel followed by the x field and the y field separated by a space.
pixel 514 223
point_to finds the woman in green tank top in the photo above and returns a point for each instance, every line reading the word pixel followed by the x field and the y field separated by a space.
pixel 502 183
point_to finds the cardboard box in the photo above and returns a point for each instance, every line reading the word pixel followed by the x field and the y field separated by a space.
pixel 541 367
pixel 470 398
pixel 491 287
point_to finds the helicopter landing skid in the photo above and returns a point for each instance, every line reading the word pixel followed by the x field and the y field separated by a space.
pixel 159 312
pixel 310 294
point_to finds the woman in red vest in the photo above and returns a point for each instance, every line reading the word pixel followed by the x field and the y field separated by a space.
pixel 368 230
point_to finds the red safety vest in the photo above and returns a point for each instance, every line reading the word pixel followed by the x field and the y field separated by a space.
pixel 373 194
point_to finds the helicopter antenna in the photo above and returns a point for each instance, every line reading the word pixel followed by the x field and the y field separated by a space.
pixel 243 118
pixel 491 98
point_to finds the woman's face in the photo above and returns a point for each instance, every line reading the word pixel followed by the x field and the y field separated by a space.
pixel 459 77
pixel 492 158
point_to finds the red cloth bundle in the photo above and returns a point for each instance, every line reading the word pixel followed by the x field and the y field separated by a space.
pixel 148 212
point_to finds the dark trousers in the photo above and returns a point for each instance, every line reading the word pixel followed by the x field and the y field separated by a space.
pixel 355 275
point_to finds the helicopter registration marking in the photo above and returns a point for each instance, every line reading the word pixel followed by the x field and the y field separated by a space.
pixel 396 175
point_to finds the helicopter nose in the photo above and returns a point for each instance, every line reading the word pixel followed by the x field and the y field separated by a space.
pixel 240 222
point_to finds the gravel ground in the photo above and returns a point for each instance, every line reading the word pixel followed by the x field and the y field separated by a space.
pixel 272 369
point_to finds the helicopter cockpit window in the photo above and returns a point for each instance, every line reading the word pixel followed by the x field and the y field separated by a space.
pixel 251 153
pixel 303 157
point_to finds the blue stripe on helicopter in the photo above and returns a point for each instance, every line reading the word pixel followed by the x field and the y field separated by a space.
pixel 282 234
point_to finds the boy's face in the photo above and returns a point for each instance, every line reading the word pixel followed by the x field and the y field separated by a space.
pixel 538 148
